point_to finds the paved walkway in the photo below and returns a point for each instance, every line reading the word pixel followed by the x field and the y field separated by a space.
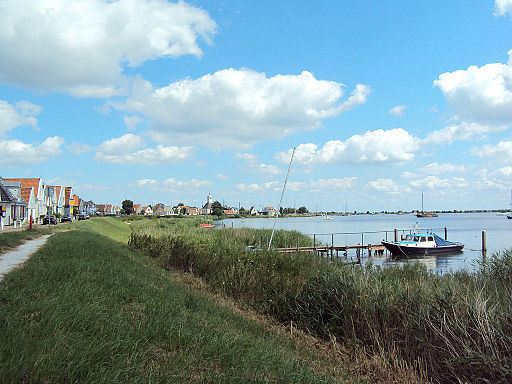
pixel 11 259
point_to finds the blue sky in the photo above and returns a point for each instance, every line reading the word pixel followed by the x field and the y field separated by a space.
pixel 157 101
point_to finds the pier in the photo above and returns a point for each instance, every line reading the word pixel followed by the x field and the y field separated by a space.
pixel 371 248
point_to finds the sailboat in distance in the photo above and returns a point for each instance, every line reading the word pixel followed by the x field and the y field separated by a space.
pixel 423 213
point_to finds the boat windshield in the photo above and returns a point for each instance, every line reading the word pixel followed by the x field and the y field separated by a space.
pixel 416 238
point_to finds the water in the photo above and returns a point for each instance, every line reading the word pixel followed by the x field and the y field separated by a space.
pixel 465 228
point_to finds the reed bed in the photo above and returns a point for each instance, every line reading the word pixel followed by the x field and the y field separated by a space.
pixel 455 327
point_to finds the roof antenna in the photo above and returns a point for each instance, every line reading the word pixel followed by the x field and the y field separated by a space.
pixel 281 200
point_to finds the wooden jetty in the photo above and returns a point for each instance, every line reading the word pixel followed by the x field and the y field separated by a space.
pixel 375 248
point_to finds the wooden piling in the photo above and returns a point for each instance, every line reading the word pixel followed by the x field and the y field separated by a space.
pixel 484 241
pixel 445 233
pixel 396 235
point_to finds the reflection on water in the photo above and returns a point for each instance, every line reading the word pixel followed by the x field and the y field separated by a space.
pixel 372 229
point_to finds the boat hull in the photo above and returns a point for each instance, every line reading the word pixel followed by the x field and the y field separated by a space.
pixel 404 251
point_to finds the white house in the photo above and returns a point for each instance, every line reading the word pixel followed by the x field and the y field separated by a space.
pixel 13 208
pixel 39 208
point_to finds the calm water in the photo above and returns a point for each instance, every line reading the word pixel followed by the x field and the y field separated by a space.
pixel 462 227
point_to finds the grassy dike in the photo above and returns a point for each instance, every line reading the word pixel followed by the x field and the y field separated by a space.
pixel 87 308
pixel 455 327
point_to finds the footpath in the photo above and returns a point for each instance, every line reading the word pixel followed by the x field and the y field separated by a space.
pixel 11 259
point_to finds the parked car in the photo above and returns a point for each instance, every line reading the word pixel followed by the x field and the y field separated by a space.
pixel 66 218
pixel 49 219
pixel 82 216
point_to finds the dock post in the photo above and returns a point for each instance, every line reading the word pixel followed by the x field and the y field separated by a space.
pixel 396 235
pixel 332 246
pixel 484 241
pixel 297 243
pixel 314 244
pixel 445 233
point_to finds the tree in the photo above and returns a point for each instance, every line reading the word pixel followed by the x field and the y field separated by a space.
pixel 302 210
pixel 127 207
pixel 217 208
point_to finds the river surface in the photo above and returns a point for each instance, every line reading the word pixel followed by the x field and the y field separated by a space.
pixel 465 228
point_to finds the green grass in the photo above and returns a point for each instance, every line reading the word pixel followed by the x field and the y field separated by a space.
pixel 457 327
pixel 86 308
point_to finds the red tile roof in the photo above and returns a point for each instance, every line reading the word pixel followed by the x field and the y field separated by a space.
pixel 28 183
pixel 67 195
pixel 25 193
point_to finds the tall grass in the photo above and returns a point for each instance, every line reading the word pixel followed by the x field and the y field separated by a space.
pixel 456 327
pixel 86 308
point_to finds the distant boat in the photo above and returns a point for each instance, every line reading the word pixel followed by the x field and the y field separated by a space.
pixel 421 244
pixel 423 213
pixel 327 217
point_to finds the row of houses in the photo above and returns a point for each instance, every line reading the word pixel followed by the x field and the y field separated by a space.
pixel 167 210
pixel 30 199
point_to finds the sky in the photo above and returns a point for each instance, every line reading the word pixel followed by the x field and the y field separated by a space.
pixel 159 101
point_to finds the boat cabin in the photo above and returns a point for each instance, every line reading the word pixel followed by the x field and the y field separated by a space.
pixel 418 240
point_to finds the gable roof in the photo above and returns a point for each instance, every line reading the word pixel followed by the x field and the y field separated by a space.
pixel 28 182
pixel 67 195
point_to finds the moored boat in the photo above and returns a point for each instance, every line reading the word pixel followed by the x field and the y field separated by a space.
pixel 421 244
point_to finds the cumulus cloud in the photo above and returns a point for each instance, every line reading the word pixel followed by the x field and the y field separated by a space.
pixel 501 152
pixel 503 7
pixel 398 110
pixel 462 132
pixel 239 107
pixel 388 186
pixel 20 114
pixel 14 153
pixel 481 94
pixel 252 163
pixel 379 146
pixel 131 122
pixel 83 46
pixel 127 150
pixel 434 169
pixel 340 184
pixel 434 182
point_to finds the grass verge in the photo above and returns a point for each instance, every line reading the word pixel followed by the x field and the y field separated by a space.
pixel 86 308
pixel 11 239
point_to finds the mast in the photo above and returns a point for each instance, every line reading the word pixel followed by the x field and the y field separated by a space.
pixel 281 200
pixel 422 201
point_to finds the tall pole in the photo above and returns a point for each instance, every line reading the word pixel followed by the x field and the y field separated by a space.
pixel 281 200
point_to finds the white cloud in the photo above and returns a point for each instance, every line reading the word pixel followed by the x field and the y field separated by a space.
pixel 461 132
pixel 20 114
pixel 388 186
pixel 146 182
pixel 239 107
pixel 342 184
pixel 501 152
pixel 398 110
pixel 131 122
pixel 379 146
pixel 222 176
pixel 252 162
pixel 15 153
pixel 480 93
pixel 249 187
pixel 180 184
pixel 434 182
pixel 172 184
pixel 434 169
pixel 82 46
pixel 503 7
pixel 127 150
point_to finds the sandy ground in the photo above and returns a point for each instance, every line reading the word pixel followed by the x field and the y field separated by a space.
pixel 11 259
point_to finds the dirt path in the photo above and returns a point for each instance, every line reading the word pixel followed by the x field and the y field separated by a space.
pixel 11 259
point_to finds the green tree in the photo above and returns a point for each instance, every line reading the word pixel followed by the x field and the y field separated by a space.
pixel 217 208
pixel 302 210
pixel 127 207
